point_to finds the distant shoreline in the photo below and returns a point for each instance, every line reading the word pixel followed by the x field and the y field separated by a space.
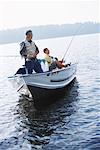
pixel 51 38
pixel 48 31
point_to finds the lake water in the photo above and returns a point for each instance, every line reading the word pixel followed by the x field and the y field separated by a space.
pixel 72 122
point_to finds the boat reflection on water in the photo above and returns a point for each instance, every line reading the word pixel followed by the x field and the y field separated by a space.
pixel 42 123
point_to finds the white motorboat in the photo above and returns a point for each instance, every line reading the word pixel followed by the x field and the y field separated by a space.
pixel 51 80
pixel 46 85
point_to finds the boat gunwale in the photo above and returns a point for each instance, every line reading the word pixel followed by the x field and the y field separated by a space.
pixel 44 86
pixel 44 73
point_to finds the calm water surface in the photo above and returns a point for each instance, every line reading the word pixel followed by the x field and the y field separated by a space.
pixel 72 122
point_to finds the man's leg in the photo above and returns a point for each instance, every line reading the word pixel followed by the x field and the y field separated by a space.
pixel 37 66
pixel 33 65
pixel 28 65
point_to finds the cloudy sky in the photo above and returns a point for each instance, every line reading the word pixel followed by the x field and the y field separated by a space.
pixel 20 13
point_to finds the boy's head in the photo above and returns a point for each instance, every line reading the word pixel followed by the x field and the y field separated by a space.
pixel 46 51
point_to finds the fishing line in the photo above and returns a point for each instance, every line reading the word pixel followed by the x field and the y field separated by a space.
pixel 73 37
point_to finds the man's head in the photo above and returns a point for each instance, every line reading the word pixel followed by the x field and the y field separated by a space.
pixel 29 35
pixel 46 51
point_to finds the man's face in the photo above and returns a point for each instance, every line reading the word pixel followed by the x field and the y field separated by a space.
pixel 29 36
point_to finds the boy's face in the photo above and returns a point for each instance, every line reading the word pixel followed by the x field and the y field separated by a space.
pixel 47 51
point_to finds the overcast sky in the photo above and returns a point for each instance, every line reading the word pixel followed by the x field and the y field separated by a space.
pixel 20 13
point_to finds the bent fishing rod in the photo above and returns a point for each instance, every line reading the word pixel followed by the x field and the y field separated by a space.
pixel 73 37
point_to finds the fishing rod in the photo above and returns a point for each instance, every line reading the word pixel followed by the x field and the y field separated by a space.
pixel 71 41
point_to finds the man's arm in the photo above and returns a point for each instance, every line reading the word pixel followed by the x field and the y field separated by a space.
pixel 23 50
pixel 37 49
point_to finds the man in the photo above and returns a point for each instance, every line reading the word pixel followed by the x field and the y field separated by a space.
pixel 29 51
pixel 52 61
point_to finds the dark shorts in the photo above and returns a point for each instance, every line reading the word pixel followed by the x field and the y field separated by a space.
pixel 33 64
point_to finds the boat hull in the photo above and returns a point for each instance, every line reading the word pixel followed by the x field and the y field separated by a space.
pixel 52 80
pixel 43 97
pixel 47 87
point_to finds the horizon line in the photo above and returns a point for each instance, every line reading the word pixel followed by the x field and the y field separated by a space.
pixel 94 22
